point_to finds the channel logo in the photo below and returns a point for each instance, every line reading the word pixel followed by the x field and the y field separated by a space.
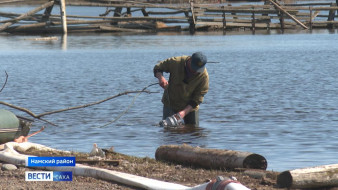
pixel 48 176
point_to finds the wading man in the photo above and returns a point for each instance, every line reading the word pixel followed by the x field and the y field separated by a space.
pixel 185 90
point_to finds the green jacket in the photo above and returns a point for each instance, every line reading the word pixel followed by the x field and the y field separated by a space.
pixel 181 91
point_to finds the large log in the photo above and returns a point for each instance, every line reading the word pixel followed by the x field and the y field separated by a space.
pixel 210 158
pixel 313 177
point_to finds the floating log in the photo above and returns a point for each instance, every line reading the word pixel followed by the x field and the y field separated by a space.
pixel 210 158
pixel 313 177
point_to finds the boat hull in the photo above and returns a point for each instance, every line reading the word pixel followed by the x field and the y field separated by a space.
pixel 12 126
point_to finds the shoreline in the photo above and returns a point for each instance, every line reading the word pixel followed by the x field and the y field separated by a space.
pixel 145 167
pixel 120 164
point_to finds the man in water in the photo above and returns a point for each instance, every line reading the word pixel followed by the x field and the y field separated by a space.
pixel 185 90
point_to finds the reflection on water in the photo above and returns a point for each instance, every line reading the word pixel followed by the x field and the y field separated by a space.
pixel 274 95
pixel 187 129
pixel 185 135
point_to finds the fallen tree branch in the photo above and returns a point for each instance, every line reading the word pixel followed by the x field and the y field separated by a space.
pixel 91 104
pixel 39 116
pixel 27 111
pixel 3 86
pixel 19 108
pixel 70 108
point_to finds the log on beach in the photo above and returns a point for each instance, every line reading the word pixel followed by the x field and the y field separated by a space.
pixel 210 158
pixel 313 177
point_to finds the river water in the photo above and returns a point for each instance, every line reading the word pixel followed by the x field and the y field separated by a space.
pixel 271 94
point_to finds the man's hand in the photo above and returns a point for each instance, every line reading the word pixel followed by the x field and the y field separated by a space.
pixel 161 80
pixel 185 112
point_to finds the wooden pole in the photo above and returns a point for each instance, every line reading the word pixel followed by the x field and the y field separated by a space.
pixel 192 21
pixel 64 41
pixel 308 178
pixel 23 16
pixel 144 12
pixel 47 13
pixel 310 21
pixel 210 158
pixel 128 11
pixel 285 12
pixel 63 15
pixel 253 20
pixel 224 21
pixel 331 16
pixel 281 20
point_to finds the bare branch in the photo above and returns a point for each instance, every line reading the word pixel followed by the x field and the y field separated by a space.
pixel 5 82
pixel 39 116
pixel 90 104
pixel 19 108
pixel 26 111
pixel 67 109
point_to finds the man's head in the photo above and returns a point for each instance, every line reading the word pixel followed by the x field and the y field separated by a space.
pixel 198 61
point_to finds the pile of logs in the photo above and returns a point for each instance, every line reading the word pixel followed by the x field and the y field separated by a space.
pixel 191 16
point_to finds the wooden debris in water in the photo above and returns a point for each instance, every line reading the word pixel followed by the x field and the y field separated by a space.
pixel 180 17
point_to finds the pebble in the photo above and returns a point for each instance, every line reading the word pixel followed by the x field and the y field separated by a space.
pixel 8 167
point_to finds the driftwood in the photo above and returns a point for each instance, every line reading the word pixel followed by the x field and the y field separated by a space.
pixel 313 177
pixel 13 1
pixel 285 12
pixel 210 158
pixel 13 21
pixel 39 116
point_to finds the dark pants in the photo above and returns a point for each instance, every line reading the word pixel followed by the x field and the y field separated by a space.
pixel 191 119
